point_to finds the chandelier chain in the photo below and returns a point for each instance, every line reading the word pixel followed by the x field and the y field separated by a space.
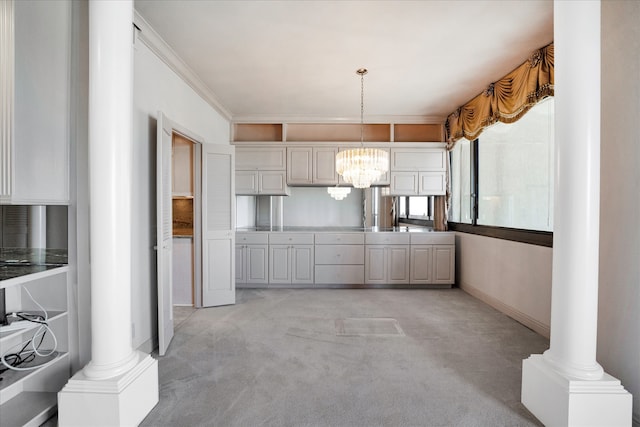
pixel 362 109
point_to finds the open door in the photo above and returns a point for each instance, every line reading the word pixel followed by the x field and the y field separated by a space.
pixel 218 225
pixel 164 240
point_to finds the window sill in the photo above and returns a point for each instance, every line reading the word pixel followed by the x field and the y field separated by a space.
pixel 539 238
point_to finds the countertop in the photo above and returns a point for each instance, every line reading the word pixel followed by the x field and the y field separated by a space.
pixel 402 229
pixel 17 262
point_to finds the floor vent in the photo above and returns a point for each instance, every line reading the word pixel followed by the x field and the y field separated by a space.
pixel 370 326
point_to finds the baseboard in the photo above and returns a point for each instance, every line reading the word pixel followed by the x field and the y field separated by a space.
pixel 514 313
pixel 337 286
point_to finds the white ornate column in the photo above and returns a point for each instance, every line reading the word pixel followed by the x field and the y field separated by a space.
pixel 119 386
pixel 566 386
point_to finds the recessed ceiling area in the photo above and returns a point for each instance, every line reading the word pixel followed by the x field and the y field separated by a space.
pixel 297 60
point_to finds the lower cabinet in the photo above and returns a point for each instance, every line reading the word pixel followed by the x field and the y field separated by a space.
pixel 291 258
pixel 252 258
pixel 339 259
pixel 387 264
pixel 252 264
pixel 433 259
pixel 348 258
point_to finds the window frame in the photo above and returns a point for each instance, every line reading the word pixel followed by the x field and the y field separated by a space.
pixel 532 237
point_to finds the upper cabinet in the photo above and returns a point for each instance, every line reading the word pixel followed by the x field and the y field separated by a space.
pixel 35 60
pixel 312 166
pixel 417 155
pixel 418 171
pixel 261 170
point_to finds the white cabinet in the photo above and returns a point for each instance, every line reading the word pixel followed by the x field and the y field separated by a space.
pixel 35 97
pixel 249 183
pixel 312 166
pixel 443 264
pixel 291 258
pixel 261 170
pixel 30 397
pixel 252 258
pixel 433 259
pixel 339 258
pixel 418 171
pixel 387 258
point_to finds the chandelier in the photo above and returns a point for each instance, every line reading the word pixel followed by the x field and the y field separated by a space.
pixel 362 166
pixel 338 193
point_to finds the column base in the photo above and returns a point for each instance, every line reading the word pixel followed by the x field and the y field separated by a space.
pixel 123 400
pixel 558 400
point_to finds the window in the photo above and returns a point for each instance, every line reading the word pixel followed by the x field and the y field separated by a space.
pixel 515 172
pixel 460 202
pixel 511 168
pixel 419 207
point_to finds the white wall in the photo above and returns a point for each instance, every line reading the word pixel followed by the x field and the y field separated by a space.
pixel 158 88
pixel 619 283
pixel 513 277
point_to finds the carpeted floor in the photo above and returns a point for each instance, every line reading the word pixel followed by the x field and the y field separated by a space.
pixel 320 357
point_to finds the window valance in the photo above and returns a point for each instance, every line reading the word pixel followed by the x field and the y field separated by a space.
pixel 506 100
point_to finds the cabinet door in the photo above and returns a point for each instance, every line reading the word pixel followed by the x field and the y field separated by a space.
pixel 246 183
pixel 241 264
pixel 432 183
pixel 279 264
pixel 375 266
pixel 257 265
pixel 34 148
pixel 302 264
pixel 273 183
pixel 324 165
pixel 404 184
pixel 421 256
pixel 443 264
pixel 300 165
pixel 261 158
pixel 418 159
pixel 398 264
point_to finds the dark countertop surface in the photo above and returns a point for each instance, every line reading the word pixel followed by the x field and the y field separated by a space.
pixel 16 262
pixel 401 229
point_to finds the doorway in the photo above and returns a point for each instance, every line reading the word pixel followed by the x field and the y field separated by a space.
pixel 183 219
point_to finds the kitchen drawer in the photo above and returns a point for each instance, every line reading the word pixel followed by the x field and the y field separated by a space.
pixel 339 254
pixel 384 238
pixel 290 239
pixel 339 238
pixel 433 238
pixel 252 238
pixel 339 274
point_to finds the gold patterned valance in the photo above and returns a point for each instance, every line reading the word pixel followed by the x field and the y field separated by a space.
pixel 506 100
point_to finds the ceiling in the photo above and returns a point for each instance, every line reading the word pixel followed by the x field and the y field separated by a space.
pixel 296 60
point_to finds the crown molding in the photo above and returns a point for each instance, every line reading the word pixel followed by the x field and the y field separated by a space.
pixel 162 50
pixel 384 119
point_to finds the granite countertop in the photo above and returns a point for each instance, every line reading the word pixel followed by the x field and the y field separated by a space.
pixel 402 229
pixel 16 262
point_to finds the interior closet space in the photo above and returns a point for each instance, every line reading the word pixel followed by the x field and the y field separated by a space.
pixel 182 170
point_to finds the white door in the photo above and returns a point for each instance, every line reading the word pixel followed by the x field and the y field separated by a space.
pixel 218 225
pixel 164 226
